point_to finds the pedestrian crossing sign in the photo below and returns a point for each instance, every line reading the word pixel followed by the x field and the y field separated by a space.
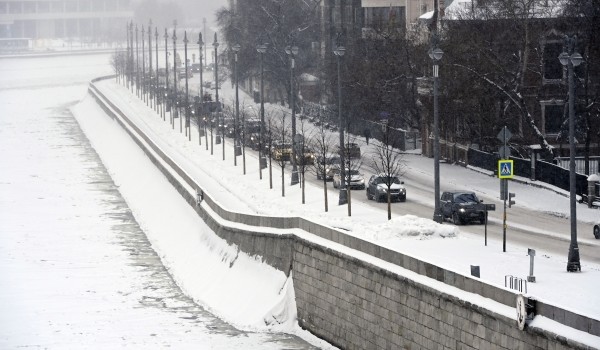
pixel 505 169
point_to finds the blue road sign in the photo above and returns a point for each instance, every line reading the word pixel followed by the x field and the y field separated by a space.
pixel 505 169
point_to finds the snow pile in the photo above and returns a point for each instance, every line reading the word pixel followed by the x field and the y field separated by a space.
pixel 411 226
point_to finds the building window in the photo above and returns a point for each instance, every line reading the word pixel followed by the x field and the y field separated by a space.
pixel 385 17
pixel 70 6
pixel 43 7
pixel 15 7
pixel 552 116
pixel 552 69
pixel 57 6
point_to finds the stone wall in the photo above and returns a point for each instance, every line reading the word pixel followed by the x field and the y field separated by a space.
pixel 355 304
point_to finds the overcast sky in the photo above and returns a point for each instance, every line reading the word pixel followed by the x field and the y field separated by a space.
pixel 206 8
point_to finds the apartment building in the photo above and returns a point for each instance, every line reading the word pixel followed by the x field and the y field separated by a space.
pixel 45 19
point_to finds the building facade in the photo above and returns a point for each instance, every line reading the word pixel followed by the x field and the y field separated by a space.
pixel 49 19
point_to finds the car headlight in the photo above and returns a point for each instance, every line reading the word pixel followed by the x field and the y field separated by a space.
pixel 462 210
pixel 382 189
pixel 403 190
pixel 361 181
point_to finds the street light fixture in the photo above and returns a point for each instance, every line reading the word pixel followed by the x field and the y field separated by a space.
pixel 150 89
pixel 572 59
pixel 292 51
pixel 219 113
pixel 137 62
pixel 339 51
pixel 261 49
pixel 188 129
pixel 435 53
pixel 236 48
pixel 166 36
pixel 143 66
pixel 201 91
pixel 156 93
pixel 130 60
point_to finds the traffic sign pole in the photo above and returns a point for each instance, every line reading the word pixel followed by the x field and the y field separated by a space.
pixel 505 171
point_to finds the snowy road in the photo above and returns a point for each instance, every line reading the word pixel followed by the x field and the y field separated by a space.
pixel 76 269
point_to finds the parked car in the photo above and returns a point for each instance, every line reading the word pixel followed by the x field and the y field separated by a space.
pixel 597 230
pixel 308 158
pixel 196 67
pixel 282 151
pixel 328 165
pixel 377 188
pixel 357 181
pixel 462 207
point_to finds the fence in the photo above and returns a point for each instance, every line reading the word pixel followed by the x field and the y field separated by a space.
pixel 540 170
pixel 563 162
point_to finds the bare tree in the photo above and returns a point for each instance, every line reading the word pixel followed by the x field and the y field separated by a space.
pixel 389 161
pixel 306 156
pixel 323 143
pixel 280 148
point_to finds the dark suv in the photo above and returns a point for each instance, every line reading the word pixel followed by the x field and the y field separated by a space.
pixel 462 207
pixel 377 188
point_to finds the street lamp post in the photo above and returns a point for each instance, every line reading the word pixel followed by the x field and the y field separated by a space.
pixel 127 75
pixel 339 52
pixel 130 70
pixel 219 113
pixel 572 59
pixel 261 49
pixel 236 49
pixel 166 36
pixel 201 92
pixel 175 94
pixel 187 99
pixel 156 92
pixel 292 51
pixel 436 54
pixel 143 66
pixel 150 80
pixel 137 63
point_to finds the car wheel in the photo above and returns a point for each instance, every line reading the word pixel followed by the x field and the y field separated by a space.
pixel 456 219
pixel 597 231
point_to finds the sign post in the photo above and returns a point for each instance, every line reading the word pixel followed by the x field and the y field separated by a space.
pixel 505 172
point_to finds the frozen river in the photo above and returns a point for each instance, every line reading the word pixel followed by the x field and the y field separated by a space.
pixel 76 269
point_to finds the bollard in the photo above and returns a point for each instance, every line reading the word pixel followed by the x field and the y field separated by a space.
pixel 531 277
pixel 592 181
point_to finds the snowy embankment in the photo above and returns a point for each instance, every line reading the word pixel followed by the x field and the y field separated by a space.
pixel 239 288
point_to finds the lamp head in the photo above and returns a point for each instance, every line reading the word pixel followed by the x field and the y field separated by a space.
pixel 436 54
pixel 563 58
pixel 236 48
pixel 576 59
pixel 339 51
pixel 262 48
